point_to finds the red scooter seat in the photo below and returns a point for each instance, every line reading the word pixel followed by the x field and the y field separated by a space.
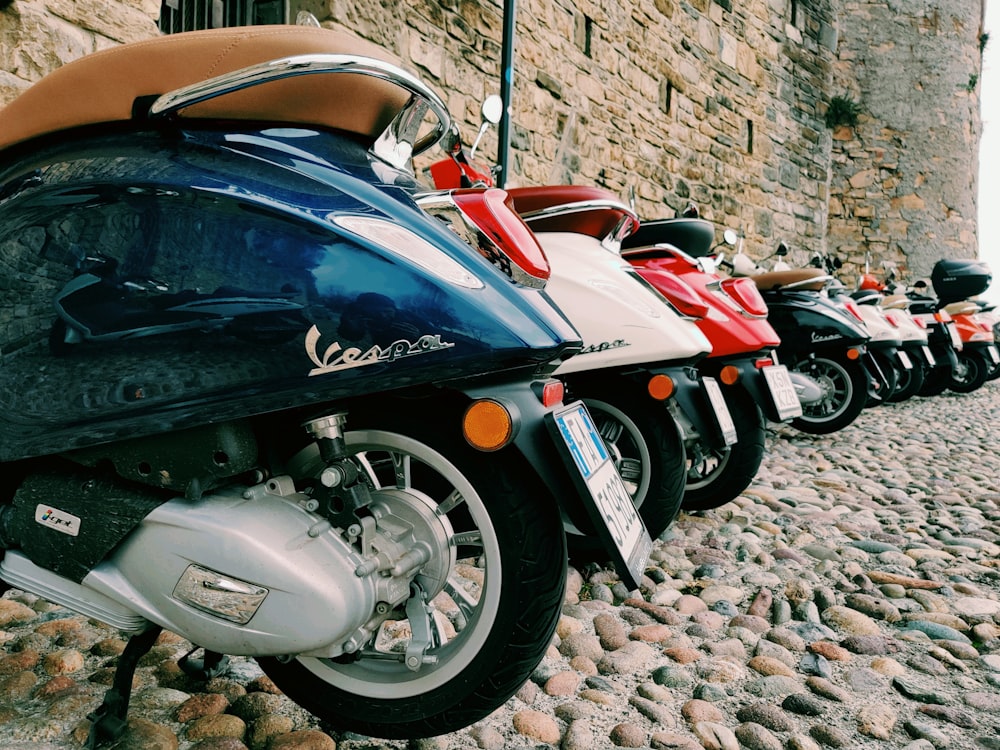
pixel 592 211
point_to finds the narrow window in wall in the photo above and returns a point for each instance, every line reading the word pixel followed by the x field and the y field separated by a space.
pixel 749 136
pixel 588 31
pixel 666 95
pixel 793 11
pixel 190 15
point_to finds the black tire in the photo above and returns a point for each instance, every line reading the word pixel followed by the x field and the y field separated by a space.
pixel 970 375
pixel 723 474
pixel 908 383
pixel 517 569
pixel 845 386
pixel 648 450
pixel 935 382
pixel 890 371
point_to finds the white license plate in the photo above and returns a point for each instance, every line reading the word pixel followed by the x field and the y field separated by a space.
pixel 722 415
pixel 611 508
pixel 779 383
pixel 928 355
pixel 956 339
pixel 991 352
pixel 904 359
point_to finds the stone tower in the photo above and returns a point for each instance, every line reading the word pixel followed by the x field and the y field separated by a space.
pixel 904 179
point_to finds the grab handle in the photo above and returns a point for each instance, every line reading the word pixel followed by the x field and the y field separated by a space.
pixel 397 144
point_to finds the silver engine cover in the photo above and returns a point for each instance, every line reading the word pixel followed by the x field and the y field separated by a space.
pixel 297 593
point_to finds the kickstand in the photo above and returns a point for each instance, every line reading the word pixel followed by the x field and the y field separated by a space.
pixel 212 665
pixel 108 719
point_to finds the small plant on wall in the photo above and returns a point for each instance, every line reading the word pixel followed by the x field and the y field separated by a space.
pixel 842 111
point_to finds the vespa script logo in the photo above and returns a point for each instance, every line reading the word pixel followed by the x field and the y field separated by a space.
pixel 336 358
pixel 604 346
pixel 57 520
pixel 818 338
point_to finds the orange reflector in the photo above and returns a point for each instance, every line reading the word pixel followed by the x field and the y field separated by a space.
pixel 729 375
pixel 552 393
pixel 660 387
pixel 487 425
pixel 853 354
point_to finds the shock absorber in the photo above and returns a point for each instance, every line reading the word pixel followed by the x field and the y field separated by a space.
pixel 340 487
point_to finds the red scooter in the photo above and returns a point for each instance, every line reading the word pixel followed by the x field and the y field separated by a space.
pixel 674 256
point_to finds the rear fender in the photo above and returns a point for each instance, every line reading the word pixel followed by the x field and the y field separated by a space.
pixel 534 442
pixel 752 382
pixel 692 400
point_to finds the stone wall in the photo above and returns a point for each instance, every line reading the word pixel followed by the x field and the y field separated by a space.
pixel 713 102
pixel 672 101
pixel 905 179
pixel 37 36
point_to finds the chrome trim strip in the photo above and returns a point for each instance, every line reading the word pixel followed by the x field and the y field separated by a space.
pixel 578 207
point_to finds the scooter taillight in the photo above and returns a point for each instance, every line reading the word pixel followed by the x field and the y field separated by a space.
pixel 852 307
pixel 677 292
pixel 744 291
pixel 893 319
pixel 493 214
pixel 921 323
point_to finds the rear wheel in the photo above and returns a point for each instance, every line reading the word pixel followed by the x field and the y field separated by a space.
pixel 717 476
pixel 970 373
pixel 908 383
pixel 647 448
pixel 844 383
pixel 493 587
pixel 888 382
pixel 935 382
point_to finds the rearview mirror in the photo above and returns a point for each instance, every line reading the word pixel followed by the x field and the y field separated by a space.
pixel 730 237
pixel 492 109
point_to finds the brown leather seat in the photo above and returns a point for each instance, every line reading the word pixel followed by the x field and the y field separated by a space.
pixel 777 279
pixel 896 302
pixel 103 87
pixel 961 308
pixel 598 221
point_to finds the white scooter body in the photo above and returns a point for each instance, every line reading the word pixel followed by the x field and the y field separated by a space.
pixel 881 330
pixel 622 320
pixel 911 333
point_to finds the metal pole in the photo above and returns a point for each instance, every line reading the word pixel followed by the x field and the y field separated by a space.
pixel 506 87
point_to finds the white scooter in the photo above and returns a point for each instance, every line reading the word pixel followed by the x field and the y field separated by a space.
pixel 635 370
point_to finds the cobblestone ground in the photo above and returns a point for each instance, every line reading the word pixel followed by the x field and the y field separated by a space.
pixel 849 598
